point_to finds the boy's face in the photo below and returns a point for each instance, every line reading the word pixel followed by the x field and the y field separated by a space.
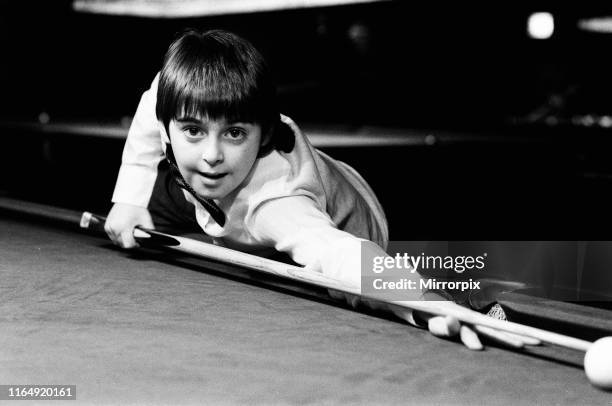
pixel 214 157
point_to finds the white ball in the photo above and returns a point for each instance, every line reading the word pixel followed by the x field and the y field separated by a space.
pixel 598 363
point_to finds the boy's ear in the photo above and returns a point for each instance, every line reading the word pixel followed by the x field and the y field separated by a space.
pixel 283 138
pixel 267 144
pixel 267 138
pixel 279 137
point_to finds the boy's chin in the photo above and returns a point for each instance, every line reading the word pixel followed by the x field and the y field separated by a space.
pixel 211 195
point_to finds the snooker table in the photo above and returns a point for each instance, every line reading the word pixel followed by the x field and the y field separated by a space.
pixel 145 327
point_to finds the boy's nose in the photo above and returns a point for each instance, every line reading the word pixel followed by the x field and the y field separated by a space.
pixel 212 154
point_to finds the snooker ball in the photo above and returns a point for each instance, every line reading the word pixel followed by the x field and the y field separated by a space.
pixel 598 363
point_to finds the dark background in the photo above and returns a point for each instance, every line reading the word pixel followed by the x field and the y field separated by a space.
pixel 538 170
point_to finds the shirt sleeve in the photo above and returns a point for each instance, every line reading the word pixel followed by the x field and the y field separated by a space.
pixel 296 226
pixel 141 154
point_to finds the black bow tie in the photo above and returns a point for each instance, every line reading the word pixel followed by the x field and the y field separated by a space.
pixel 210 206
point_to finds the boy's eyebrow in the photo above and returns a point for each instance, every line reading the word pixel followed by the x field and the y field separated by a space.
pixel 240 122
pixel 195 120
pixel 188 119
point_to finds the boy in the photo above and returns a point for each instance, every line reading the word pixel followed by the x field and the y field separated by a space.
pixel 236 169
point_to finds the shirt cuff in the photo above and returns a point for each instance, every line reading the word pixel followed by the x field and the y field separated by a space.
pixel 134 185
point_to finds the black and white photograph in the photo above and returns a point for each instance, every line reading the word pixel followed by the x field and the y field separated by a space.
pixel 305 202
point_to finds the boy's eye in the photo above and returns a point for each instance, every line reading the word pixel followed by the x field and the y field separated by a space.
pixel 192 131
pixel 236 133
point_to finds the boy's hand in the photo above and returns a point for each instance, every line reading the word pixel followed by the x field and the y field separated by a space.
pixel 444 327
pixel 440 326
pixel 121 221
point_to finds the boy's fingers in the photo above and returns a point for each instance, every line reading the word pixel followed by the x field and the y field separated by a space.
pixel 469 338
pixel 526 340
pixel 443 326
pixel 147 222
pixel 110 232
pixel 449 327
pixel 126 239
pixel 501 337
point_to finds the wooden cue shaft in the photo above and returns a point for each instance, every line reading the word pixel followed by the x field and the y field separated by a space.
pixel 206 250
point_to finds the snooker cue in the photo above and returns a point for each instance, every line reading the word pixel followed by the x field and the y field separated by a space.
pixel 205 250
pixel 210 251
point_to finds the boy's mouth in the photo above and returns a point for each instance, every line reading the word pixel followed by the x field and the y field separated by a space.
pixel 213 175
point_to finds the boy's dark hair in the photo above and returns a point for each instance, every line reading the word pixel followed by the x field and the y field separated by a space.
pixel 219 75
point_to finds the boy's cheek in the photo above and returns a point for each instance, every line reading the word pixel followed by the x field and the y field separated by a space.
pixel 188 161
